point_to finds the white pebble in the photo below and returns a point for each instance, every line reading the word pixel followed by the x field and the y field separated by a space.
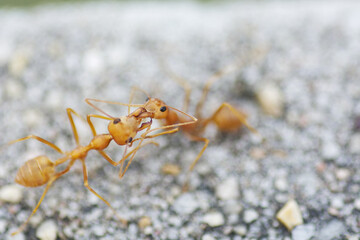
pixel 207 237
pixel 355 144
pixel 14 89
pixel 330 150
pixel 337 203
pixel 250 215
pixel 342 174
pixel 32 117
pixel 271 99
pixel 290 215
pixel 93 61
pixel 357 204
pixel 47 230
pixel 11 193
pixel 19 62
pixel 214 219
pixel 99 230
pixel 186 204
pixel 303 232
pixel 228 189
pixel 240 230
pixel 281 184
pixel 3 225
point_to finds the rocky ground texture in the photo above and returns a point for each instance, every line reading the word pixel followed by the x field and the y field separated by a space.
pixel 299 83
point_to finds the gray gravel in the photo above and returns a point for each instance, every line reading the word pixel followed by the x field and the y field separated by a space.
pixel 53 57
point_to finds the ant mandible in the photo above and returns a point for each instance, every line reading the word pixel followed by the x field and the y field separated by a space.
pixel 41 170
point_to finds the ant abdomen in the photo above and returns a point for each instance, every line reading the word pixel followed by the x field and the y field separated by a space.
pixel 35 172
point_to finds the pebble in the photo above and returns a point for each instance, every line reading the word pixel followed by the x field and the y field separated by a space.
pixel 250 215
pixel 93 61
pixel 271 99
pixel 14 89
pixel 303 232
pixel 3 225
pixel 214 219
pixel 171 169
pixel 240 230
pixel 186 204
pixel 354 145
pixel 19 62
pixel 331 230
pixel 290 215
pixel 19 236
pixel 330 150
pixel 357 203
pixel 228 189
pixel 342 174
pixel 32 117
pixel 281 184
pixel 207 237
pixel 47 230
pixel 144 222
pixel 99 230
pixel 337 202
pixel 11 193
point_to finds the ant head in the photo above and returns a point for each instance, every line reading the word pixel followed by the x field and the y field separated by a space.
pixel 123 129
pixel 157 107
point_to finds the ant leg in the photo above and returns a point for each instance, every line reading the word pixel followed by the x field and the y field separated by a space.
pixel 132 152
pixel 191 168
pixel 88 119
pixel 216 76
pixel 86 184
pixel 241 117
pixel 179 80
pixel 90 100
pixel 39 139
pixel 71 111
pixel 159 134
pixel 52 179
pixel 132 92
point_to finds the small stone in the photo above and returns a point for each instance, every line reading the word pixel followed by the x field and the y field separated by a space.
pixel 93 61
pixel 214 219
pixel 14 89
pixel 144 222
pixel 333 212
pixel 331 230
pixel 19 62
pixel 228 189
pixel 11 193
pixel 342 174
pixel 148 230
pixel 47 230
pixel 32 117
pixel 99 230
pixel 19 236
pixel 330 150
pixel 303 232
pixel 257 153
pixel 186 204
pixel 250 216
pixel 3 225
pixel 290 215
pixel 337 202
pixel 357 203
pixel 271 99
pixel 240 230
pixel 355 144
pixel 171 169
pixel 207 237
pixel 281 184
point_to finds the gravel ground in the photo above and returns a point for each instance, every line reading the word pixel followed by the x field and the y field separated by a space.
pixel 299 84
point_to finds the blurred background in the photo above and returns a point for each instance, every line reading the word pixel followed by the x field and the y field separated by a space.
pixel 297 77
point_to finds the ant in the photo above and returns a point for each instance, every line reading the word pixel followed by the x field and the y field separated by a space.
pixel 227 118
pixel 41 170
pixel 159 113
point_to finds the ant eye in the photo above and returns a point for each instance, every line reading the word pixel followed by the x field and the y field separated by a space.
pixel 117 120
pixel 129 140
pixel 147 99
pixel 163 109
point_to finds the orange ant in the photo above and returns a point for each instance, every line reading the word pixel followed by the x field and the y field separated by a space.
pixel 226 117
pixel 41 170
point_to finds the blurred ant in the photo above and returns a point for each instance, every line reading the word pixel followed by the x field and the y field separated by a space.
pixel 226 117
pixel 41 170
